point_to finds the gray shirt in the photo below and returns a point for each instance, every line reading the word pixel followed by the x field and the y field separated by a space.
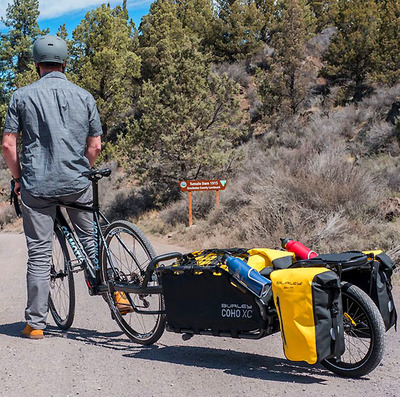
pixel 55 117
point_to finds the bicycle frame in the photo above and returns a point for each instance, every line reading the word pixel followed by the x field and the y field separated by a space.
pixel 92 271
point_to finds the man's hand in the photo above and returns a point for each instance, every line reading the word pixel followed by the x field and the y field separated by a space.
pixel 10 154
pixel 93 147
pixel 17 188
pixel 14 197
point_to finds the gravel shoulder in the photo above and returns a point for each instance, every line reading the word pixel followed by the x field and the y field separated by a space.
pixel 95 359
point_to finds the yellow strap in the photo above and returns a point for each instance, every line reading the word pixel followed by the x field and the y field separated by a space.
pixel 375 253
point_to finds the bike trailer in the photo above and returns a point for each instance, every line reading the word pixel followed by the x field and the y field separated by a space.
pixel 309 306
pixel 202 297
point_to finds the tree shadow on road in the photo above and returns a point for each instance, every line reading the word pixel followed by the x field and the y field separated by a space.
pixel 235 363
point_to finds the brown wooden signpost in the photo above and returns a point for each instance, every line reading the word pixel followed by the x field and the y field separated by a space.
pixel 196 185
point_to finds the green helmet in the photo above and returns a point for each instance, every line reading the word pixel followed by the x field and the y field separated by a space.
pixel 50 48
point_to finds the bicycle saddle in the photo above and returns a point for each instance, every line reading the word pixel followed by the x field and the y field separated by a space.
pixel 95 175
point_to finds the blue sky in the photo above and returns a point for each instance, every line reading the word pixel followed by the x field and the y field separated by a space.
pixel 54 13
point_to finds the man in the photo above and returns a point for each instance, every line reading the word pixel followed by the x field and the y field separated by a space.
pixel 61 138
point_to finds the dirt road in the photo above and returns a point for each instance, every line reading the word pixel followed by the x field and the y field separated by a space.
pixel 95 359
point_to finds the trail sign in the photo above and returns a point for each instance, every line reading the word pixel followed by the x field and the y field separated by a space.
pixel 197 185
pixel 212 184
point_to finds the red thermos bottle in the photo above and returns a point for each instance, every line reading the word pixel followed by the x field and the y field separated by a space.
pixel 299 249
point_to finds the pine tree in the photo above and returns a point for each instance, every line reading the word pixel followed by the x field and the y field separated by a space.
pixel 103 61
pixel 351 57
pixel 21 19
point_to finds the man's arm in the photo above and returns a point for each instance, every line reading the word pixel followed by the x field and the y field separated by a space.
pixel 93 147
pixel 11 157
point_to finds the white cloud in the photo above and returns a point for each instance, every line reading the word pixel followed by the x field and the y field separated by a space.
pixel 55 8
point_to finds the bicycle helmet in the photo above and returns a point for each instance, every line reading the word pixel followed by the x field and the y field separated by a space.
pixel 50 48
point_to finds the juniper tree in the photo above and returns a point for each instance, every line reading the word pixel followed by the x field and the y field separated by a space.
pixel 352 54
pixel 186 121
pixel 170 24
pixel 266 8
pixel 196 17
pixel 388 51
pixel 282 87
pixel 323 11
pixel 103 61
pixel 162 33
pixel 238 30
pixel 16 61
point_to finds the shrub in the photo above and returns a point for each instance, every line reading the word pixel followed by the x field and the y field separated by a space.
pixel 381 138
pixel 7 214
pixel 309 195
pixel 202 204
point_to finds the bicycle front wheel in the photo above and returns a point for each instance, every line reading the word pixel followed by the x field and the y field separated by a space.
pixel 62 287
pixel 129 254
pixel 364 335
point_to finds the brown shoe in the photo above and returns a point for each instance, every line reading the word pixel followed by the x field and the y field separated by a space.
pixel 122 303
pixel 32 333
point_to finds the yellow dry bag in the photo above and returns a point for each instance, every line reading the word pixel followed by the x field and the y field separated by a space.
pixel 308 303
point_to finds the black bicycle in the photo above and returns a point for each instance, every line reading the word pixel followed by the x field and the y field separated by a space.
pixel 118 271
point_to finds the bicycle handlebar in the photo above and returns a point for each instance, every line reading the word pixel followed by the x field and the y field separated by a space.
pixel 92 175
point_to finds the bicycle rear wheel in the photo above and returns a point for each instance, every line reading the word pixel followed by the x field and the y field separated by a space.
pixel 364 335
pixel 130 253
pixel 62 286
